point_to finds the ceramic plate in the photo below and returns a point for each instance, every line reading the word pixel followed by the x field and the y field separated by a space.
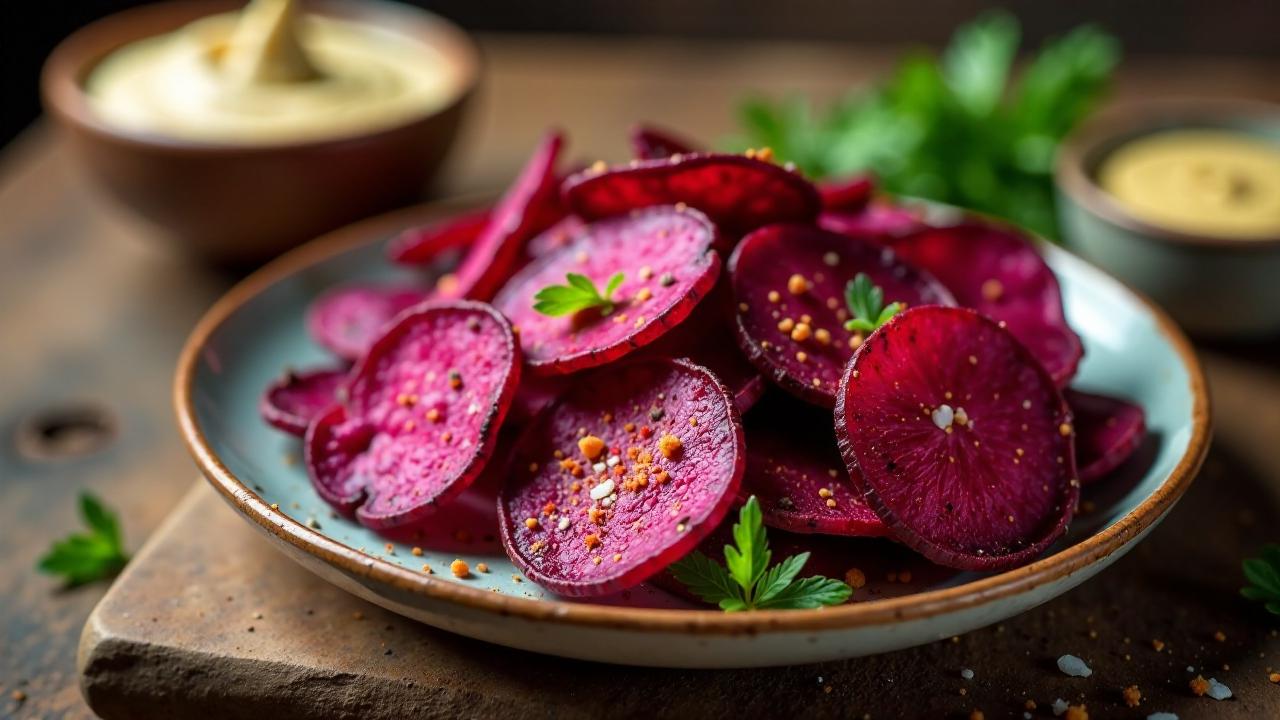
pixel 257 330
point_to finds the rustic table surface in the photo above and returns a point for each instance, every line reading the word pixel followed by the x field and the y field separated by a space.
pixel 93 311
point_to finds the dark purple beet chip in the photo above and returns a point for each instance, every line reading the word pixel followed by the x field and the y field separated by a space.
pixel 1108 431
pixel 295 398
pixel 846 195
pixel 738 193
pixel 797 474
pixel 624 474
pixel 421 416
pixel 530 206
pixel 706 338
pixel 666 256
pixel 651 143
pixel 346 320
pixel 877 220
pixel 958 439
pixel 791 280
pixel 999 273
pixel 423 245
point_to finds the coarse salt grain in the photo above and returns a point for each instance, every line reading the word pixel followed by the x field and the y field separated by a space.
pixel 966 673
pixel 563 524
pixel 1059 706
pixel 1073 666
pixel 598 467
pixel 603 490
pixel 1217 690
pixel 943 416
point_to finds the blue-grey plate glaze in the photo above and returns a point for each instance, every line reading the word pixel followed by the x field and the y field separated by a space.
pixel 257 331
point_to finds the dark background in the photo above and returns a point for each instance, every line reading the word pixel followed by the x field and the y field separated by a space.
pixel 29 30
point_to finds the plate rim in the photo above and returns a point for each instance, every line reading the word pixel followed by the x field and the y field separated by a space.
pixel 917 606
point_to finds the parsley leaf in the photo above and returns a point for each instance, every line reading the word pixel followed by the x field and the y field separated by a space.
pixel 746 582
pixel 579 294
pixel 84 557
pixel 866 304
pixel 1263 574
pixel 959 129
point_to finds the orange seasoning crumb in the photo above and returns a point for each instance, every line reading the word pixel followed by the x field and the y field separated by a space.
pixel 977 715
pixel 1157 645
pixel 592 541
pixel 1274 677
pixel 433 415
pixel 1199 686
pixel 1132 696
pixel 774 296
pixel 427 569
pixel 459 568
pixel 1220 636
pixel 786 325
pixel 796 284
pixel 661 477
pixel 591 447
pixel 823 336
pixel 1076 712
pixel 482 567
pixel 855 578
pixel 417 551
pixel 596 516
pixel 670 446
pixel 531 523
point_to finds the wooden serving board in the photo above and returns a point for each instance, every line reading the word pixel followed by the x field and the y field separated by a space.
pixel 211 620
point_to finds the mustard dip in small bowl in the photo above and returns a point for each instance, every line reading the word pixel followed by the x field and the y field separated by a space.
pixel 241 130
pixel 1181 200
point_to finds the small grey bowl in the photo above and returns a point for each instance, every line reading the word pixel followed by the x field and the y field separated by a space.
pixel 1214 286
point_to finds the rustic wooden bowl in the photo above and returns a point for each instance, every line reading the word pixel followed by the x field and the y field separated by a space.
pixel 242 204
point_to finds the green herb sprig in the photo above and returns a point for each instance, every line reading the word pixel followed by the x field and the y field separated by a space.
pixel 1263 574
pixel 952 129
pixel 746 582
pixel 84 557
pixel 578 295
pixel 866 304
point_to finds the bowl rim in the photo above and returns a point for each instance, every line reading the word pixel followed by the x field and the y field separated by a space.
pixel 1136 118
pixel 63 74
pixel 371 568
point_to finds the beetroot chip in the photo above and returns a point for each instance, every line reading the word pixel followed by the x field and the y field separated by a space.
pixel 795 471
pixel 846 195
pixel 624 474
pixel 421 416
pixel 530 206
pixel 423 245
pixel 789 282
pixel 293 400
pixel 651 143
pixel 877 220
pixel 346 320
pixel 668 265
pixel 1108 431
pixel 958 439
pixel 999 273
pixel 706 338
pixel 738 193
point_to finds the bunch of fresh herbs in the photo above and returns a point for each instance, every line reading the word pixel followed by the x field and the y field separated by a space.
pixel 954 128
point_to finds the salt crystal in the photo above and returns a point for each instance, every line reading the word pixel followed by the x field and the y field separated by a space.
pixel 943 417
pixel 1073 666
pixel 1162 716
pixel 1190 669
pixel 613 460
pixel 1026 716
pixel 1059 706
pixel 966 673
pixel 1218 691
pixel 598 468
pixel 603 490
pixel 564 524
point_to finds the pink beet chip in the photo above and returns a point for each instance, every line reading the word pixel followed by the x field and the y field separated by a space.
pixel 421 417
pixel 346 320
pixel 575 523
pixel 958 439
pixel 999 273
pixel 555 237
pixel 293 400
pixel 738 193
pixel 530 206
pixel 877 219
pixel 797 474
pixel 1108 431
pixel 652 143
pixel 424 245
pixel 806 358
pixel 666 257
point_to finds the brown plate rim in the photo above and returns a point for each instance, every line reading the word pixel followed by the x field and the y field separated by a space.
pixel 372 569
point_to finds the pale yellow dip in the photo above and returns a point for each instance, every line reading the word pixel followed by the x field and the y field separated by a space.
pixel 269 74
pixel 1209 182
